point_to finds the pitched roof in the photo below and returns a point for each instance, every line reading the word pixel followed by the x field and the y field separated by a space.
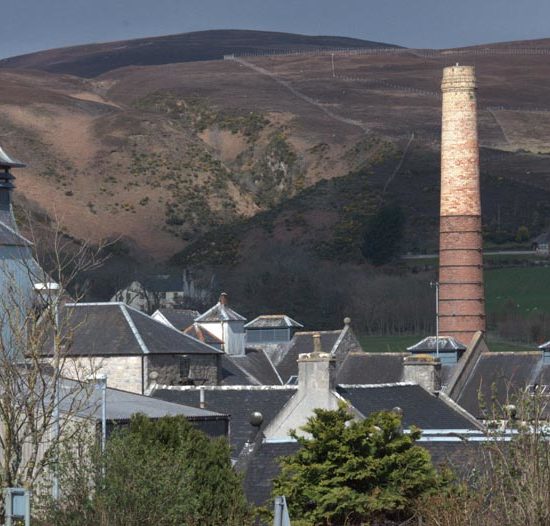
pixel 9 236
pixel 115 329
pixel 220 312
pixel 9 162
pixel 179 318
pixel 430 343
pixel 233 374
pixel 497 377
pixel 121 405
pixel 302 342
pixel 273 321
pixel 420 408
pixel 237 401
pixel 371 368
pixel 256 363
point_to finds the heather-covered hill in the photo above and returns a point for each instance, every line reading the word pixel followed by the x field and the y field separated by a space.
pixel 94 59
pixel 282 149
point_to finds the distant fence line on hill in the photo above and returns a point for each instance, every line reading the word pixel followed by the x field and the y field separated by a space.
pixel 428 53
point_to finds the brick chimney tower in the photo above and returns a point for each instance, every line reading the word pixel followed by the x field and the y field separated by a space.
pixel 461 293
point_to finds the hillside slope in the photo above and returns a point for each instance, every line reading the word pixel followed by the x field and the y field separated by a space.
pixel 282 147
pixel 94 59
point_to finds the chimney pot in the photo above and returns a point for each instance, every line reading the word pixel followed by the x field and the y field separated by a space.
pixel 317 347
pixel 224 298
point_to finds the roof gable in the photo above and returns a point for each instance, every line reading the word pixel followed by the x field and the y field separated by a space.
pixel 114 329
pixel 220 312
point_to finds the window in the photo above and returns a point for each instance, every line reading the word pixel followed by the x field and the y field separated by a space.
pixel 184 366
pixel 268 335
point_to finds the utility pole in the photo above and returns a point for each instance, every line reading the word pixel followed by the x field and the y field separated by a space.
pixel 332 61
pixel 436 285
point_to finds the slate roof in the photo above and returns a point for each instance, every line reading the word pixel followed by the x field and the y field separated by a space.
pixel 371 368
pixel 302 342
pixel 256 363
pixel 429 344
pixel 121 405
pixel 179 318
pixel 263 467
pixel 8 234
pixel 9 162
pixel 232 374
pixel 273 321
pixel 420 408
pixel 497 376
pixel 238 402
pixel 116 329
pixel 220 312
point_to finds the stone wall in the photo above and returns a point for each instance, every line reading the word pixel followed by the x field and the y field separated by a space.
pixel 123 372
pixel 203 369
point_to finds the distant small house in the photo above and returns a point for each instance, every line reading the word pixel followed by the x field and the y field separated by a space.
pixel 275 328
pixel 541 244
pixel 153 292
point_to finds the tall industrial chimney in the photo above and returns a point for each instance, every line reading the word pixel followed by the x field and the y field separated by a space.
pixel 461 293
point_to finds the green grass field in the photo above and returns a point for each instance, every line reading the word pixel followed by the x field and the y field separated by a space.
pixel 400 344
pixel 528 288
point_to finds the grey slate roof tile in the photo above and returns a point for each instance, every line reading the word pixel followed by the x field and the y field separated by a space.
pixel 499 376
pixel 115 329
pixel 238 402
pixel 420 408
pixel 371 368
pixel 180 318
pixel 258 365
pixel 273 321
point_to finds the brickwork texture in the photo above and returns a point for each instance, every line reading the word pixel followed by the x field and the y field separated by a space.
pixel 461 292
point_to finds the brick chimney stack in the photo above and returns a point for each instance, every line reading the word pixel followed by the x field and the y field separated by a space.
pixel 461 293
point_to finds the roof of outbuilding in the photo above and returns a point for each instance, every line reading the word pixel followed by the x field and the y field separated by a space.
pixel 179 318
pixel 6 161
pixel 498 377
pixel 273 321
pixel 116 329
pixel 122 405
pixel 220 312
pixel 420 408
pixel 431 343
pixel 237 401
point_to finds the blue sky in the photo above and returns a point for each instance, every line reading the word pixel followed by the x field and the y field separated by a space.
pixel 32 25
